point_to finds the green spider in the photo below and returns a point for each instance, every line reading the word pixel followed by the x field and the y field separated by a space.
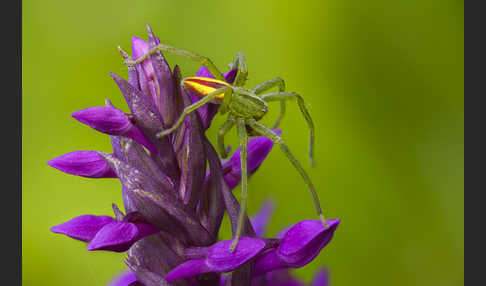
pixel 245 107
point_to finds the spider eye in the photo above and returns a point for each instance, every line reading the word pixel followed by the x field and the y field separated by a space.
pixel 202 86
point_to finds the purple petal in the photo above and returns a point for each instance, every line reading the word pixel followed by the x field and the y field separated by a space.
pixel 146 75
pixel 145 229
pixel 83 227
pixel 282 278
pixel 304 241
pixel 260 220
pixel 123 279
pixel 112 121
pixel 116 236
pixel 258 148
pixel 321 278
pixel 267 262
pixel 105 119
pixel 230 75
pixel 221 260
pixel 188 269
pixel 139 47
pixel 83 163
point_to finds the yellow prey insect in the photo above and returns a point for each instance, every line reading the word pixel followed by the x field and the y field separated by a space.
pixel 245 107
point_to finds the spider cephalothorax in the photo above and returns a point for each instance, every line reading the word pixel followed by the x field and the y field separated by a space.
pixel 245 107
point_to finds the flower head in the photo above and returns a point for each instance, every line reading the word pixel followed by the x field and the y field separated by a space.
pixel 176 190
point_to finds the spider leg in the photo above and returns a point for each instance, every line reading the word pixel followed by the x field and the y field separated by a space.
pixel 243 136
pixel 282 96
pixel 275 82
pixel 168 49
pixel 227 125
pixel 194 107
pixel 240 63
pixel 267 132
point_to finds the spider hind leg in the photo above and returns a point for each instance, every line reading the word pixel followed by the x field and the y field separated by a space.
pixel 269 133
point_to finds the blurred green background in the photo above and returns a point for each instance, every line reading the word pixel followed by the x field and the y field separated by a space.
pixel 384 84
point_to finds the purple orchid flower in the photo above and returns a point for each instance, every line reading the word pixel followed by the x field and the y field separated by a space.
pixel 176 190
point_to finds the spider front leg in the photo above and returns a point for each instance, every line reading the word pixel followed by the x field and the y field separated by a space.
pixel 275 82
pixel 267 132
pixel 227 125
pixel 283 96
pixel 240 64
pixel 195 106
pixel 195 57
pixel 243 138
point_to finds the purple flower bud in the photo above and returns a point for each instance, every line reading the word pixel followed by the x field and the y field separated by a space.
pixel 219 259
pixel 123 279
pixel 258 148
pixel 83 227
pixel 83 163
pixel 106 233
pixel 105 119
pixel 112 121
pixel 304 241
pixel 119 236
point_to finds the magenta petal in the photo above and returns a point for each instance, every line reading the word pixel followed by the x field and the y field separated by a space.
pixel 230 75
pixel 321 278
pixel 139 47
pixel 116 236
pixel 304 241
pixel 258 149
pixel 123 279
pixel 267 262
pixel 221 260
pixel 282 278
pixel 83 227
pixel 145 229
pixel 188 269
pixel 105 119
pixel 260 220
pixel 83 163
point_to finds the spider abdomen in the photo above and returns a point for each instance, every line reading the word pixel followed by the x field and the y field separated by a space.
pixel 202 86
